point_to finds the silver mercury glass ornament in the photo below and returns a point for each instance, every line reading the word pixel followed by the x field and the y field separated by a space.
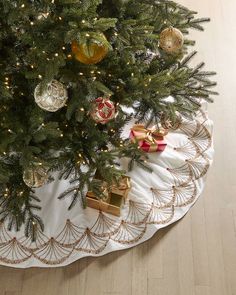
pixel 52 98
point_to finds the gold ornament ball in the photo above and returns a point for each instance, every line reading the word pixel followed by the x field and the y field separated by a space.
pixel 92 52
pixel 35 177
pixel 171 40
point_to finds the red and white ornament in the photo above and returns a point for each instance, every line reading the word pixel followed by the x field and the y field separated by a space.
pixel 103 110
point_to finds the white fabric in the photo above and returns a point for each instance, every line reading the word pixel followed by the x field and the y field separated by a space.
pixel 71 235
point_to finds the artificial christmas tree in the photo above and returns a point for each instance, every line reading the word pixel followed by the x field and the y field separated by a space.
pixel 57 57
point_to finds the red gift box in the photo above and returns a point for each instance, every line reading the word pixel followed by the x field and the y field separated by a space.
pixel 150 140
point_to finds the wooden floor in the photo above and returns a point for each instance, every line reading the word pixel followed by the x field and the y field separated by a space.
pixel 198 254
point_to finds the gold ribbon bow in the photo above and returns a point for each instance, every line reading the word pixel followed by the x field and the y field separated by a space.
pixel 148 134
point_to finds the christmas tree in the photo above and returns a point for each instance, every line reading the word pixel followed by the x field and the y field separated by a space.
pixel 68 69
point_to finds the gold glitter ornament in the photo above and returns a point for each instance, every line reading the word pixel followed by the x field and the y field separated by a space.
pixel 171 40
pixel 35 177
pixel 91 52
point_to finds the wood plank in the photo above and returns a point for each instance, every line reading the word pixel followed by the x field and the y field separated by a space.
pixel 185 256
pixel 139 269
pixel 170 283
pixel 11 280
pixel 229 247
pixel 155 256
pixel 43 281
pixel 203 290
pixel 199 244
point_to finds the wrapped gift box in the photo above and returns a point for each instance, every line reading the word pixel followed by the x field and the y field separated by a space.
pixel 150 140
pixel 117 194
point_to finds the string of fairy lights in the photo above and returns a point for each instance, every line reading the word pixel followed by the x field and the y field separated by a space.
pixel 169 44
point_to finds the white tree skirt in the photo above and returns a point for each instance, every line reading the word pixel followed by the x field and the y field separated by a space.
pixel 156 200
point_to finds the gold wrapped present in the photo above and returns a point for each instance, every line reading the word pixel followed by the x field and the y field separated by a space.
pixel 116 197
pixel 122 188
